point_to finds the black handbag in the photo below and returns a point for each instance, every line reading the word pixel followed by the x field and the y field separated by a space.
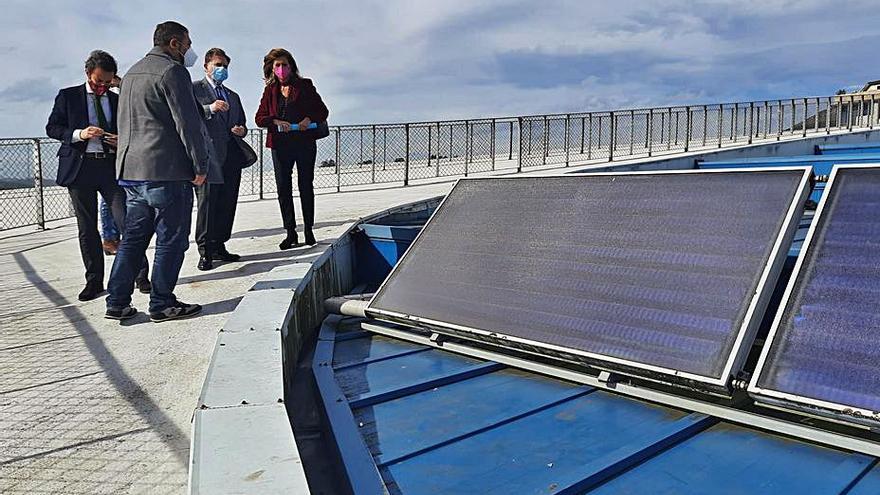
pixel 248 155
pixel 320 132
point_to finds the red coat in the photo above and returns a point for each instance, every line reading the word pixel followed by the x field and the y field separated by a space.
pixel 306 102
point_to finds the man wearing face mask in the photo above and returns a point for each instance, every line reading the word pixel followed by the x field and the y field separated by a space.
pixel 162 153
pixel 84 120
pixel 218 197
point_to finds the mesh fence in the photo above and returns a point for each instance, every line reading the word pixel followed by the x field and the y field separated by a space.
pixel 360 156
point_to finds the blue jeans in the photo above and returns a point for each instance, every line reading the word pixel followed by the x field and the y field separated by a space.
pixel 108 226
pixel 163 208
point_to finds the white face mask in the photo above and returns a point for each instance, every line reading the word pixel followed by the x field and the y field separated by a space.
pixel 190 58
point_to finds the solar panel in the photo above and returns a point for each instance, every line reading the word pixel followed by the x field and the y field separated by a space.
pixel 823 351
pixel 657 273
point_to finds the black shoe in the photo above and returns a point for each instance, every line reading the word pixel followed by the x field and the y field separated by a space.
pixel 310 238
pixel 178 311
pixel 290 241
pixel 91 291
pixel 120 314
pixel 223 255
pixel 143 285
pixel 206 263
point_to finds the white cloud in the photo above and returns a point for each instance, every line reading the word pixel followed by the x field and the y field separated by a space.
pixel 380 61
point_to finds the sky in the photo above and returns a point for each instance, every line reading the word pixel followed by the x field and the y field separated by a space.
pixel 397 61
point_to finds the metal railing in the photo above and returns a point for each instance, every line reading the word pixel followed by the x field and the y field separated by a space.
pixel 360 156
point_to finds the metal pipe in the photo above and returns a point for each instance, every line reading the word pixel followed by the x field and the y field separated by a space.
pixel 348 305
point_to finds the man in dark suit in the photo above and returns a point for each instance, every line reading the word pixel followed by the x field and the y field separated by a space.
pixel 84 120
pixel 218 197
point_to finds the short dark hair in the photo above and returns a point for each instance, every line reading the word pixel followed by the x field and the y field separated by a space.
pixel 167 31
pixel 102 59
pixel 216 52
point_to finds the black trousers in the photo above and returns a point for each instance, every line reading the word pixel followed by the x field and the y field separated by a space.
pixel 300 153
pixel 216 210
pixel 96 177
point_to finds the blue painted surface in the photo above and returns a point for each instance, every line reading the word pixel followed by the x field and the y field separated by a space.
pixel 378 247
pixel 377 378
pixel 821 163
pixel 401 427
pixel 732 459
pixel 869 484
pixel 366 349
pixel 434 422
pixel 844 149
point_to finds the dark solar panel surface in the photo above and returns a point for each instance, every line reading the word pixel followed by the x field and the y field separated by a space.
pixel 828 344
pixel 656 269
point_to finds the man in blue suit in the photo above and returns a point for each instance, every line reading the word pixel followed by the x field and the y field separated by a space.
pixel 84 120
pixel 218 196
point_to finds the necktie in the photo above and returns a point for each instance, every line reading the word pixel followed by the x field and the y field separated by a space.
pixel 220 92
pixel 102 120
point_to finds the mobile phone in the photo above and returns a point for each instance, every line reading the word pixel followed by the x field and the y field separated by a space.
pixel 107 136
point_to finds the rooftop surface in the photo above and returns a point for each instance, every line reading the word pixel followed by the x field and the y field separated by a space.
pixel 91 406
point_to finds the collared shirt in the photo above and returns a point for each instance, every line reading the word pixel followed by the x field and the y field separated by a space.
pixel 220 93
pixel 95 145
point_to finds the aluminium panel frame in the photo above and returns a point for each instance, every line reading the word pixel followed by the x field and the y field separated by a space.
pixel 744 337
pixel 778 399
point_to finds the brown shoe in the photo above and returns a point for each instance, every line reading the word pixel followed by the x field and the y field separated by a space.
pixel 110 247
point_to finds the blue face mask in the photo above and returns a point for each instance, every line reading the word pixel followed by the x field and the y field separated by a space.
pixel 219 74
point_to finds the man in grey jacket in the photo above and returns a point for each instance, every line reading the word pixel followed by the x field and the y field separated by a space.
pixel 162 152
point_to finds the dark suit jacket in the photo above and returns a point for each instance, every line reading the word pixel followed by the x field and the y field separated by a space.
pixel 71 112
pixel 219 127
pixel 306 103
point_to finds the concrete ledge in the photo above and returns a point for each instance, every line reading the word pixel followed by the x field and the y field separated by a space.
pixel 245 369
pixel 245 450
pixel 261 310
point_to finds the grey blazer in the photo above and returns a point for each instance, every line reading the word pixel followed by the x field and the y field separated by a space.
pixel 161 127
pixel 219 125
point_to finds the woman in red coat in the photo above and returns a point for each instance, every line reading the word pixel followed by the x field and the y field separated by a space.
pixel 290 100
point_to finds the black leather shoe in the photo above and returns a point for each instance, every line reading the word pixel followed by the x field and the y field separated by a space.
pixel 143 285
pixel 310 238
pixel 91 291
pixel 206 263
pixel 292 240
pixel 223 255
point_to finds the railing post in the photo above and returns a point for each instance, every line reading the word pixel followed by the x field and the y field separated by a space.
pixel 687 131
pixel 567 139
pixel 373 165
pixel 468 146
pixel 430 129
pixel 751 120
pixel 779 124
pixel 734 127
pixel 519 156
pixel 870 113
pixel 806 107
pixel 720 124
pixel 492 145
pixel 816 123
pixel 262 163
pixel 510 143
pixel 37 166
pixel 828 116
pixel 705 123
pixel 590 135
pixel 546 140
pixel 406 158
pixel 437 171
pixel 338 175
pixel 851 112
pixel 612 140
pixel 583 132
pixel 632 130
pixel 650 138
